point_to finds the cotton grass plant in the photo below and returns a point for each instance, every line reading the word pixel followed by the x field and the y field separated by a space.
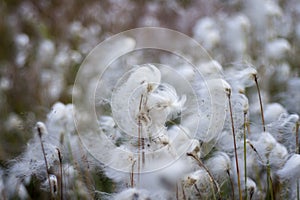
pixel 226 172
pixel 161 125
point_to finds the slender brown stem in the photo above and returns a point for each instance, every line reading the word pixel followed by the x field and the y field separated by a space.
pixel 245 153
pixel 231 184
pixel 248 127
pixel 177 197
pixel 269 181
pixel 297 151
pixel 84 174
pixel 143 150
pixel 254 149
pixel 139 152
pixel 183 193
pixel 45 159
pixel 260 103
pixel 298 196
pixel 235 149
pixel 139 139
pixel 132 175
pixel 297 137
pixel 197 189
pixel 251 193
pixel 3 195
pixel 61 173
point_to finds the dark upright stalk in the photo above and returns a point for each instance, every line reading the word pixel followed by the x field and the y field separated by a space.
pixel 45 159
pixel 234 142
pixel 260 103
pixel 297 151
pixel 245 153
pixel 61 173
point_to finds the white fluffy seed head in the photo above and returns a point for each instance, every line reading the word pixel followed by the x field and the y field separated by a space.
pixel 272 112
pixel 226 86
pixel 210 69
pixel 283 129
pixel 41 128
pixel 199 175
pixel 132 193
pixel 290 169
pixel 219 164
pixel 60 119
pixel 277 49
pixel 241 79
pixel 265 144
pixel 246 107
pixel 131 93
pixel 251 71
pixel 273 9
pixel 240 106
pixel 54 185
pixel 251 187
pixel 206 31
pixel 219 86
pixel 201 179
pixel 240 103
pixel 270 151
pixel 278 156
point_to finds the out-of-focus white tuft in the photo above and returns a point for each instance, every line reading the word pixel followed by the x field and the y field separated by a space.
pixel 283 130
pixel 133 193
pixel 272 112
pixel 219 164
pixel 207 33
pixel 270 151
pixel 210 69
pixel 290 170
pixel 236 36
pixel 277 49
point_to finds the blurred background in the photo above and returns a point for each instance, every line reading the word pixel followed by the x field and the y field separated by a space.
pixel 43 42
